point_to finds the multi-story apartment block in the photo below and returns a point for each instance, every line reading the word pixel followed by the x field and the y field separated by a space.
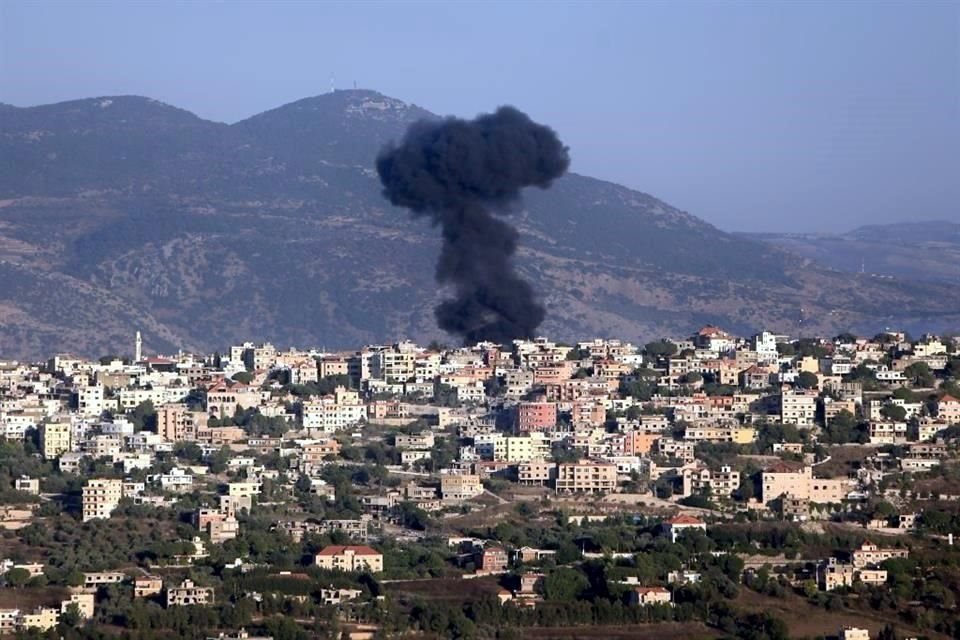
pixel 870 554
pixel 27 484
pixel 586 476
pixel 145 586
pixel 356 529
pixel 41 619
pixel 537 473
pixel 176 423
pixel 833 574
pixel 187 593
pixel 423 440
pixel 460 486
pixel 737 435
pixel 536 416
pixel 90 402
pixel 328 414
pixel 315 451
pixel 534 446
pixel 55 438
pixel 352 558
pixel 783 478
pixel 798 407
pixel 493 559
pixel 948 409
pixel 83 600
pixel 100 497
pixel 722 483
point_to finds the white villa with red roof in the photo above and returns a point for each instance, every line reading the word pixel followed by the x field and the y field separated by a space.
pixel 677 525
pixel 352 558
pixel 644 596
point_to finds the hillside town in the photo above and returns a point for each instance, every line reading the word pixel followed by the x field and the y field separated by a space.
pixel 761 487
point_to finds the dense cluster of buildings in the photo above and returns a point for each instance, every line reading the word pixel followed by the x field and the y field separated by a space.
pixel 589 418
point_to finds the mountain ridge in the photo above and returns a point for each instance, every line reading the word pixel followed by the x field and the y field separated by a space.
pixel 924 250
pixel 273 228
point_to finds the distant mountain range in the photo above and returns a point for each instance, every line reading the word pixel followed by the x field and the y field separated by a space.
pixel 928 250
pixel 124 213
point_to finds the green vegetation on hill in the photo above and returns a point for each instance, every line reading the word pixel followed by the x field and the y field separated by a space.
pixel 137 215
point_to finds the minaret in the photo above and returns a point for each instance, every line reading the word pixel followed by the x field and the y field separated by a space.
pixel 138 350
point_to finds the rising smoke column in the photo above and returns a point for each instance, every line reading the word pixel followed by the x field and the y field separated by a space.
pixel 458 173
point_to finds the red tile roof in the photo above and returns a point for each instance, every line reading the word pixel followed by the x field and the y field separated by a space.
pixel 783 467
pixel 711 330
pixel 358 550
pixel 684 519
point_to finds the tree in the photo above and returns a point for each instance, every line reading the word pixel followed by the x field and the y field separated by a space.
pixel 71 616
pixel 883 509
pixel 565 584
pixel 144 417
pixel 807 380
pixel 660 349
pixel 920 375
pixel 692 377
pixel 843 428
pixel 745 491
pixel 893 412
pixel 413 516
pixel 243 377
pixel 17 577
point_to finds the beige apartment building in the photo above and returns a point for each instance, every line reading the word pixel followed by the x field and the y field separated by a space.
pixel 586 476
pixel 796 480
pixel 948 409
pixel 332 413
pixel 240 489
pixel 870 554
pixel 738 435
pixel 176 423
pixel 55 439
pixel 84 601
pixel 460 486
pixel 833 574
pixel 536 473
pixel 720 483
pixel 100 497
pixel 798 407
pixel 42 619
pixel 352 558
pixel 144 586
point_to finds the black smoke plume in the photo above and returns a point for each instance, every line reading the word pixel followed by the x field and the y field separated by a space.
pixel 458 173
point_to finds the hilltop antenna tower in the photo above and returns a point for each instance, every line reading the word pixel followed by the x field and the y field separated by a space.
pixel 332 89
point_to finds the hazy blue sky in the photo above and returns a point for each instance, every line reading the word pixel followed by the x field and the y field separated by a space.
pixel 755 116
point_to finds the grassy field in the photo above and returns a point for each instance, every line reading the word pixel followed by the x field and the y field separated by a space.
pixel 806 621
pixel 445 589
pixel 673 630
pixel 32 597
